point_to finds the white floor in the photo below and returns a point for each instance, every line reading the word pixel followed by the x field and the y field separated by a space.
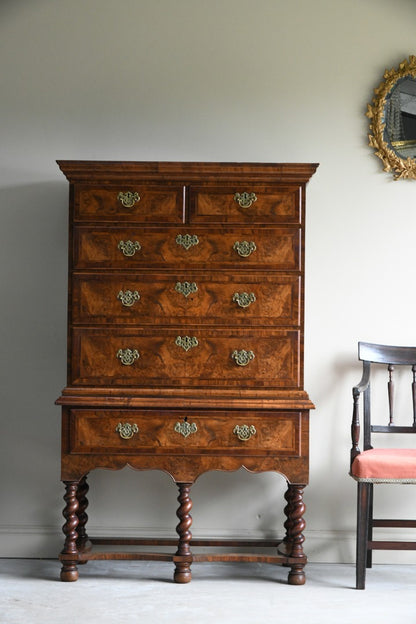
pixel 142 592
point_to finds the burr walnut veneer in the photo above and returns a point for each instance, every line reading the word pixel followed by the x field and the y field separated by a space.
pixel 185 340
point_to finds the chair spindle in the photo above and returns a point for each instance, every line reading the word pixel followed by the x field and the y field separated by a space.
pixel 390 387
pixel 355 426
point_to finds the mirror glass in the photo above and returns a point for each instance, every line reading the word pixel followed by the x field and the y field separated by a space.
pixel 400 118
pixel 392 115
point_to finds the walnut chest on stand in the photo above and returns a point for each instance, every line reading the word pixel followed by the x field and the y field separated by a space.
pixel 185 340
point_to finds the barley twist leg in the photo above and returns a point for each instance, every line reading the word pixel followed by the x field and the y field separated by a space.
pixel 69 554
pixel 183 556
pixel 82 541
pixel 294 537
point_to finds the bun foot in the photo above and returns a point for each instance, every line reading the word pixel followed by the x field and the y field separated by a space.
pixel 182 573
pixel 69 574
pixel 296 577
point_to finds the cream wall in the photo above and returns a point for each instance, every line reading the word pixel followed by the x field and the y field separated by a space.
pixel 229 80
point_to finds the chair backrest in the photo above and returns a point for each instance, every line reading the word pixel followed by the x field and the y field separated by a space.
pixel 390 357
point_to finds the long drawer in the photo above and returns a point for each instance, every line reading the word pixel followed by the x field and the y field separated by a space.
pixel 182 298
pixel 188 356
pixel 276 248
pixel 158 432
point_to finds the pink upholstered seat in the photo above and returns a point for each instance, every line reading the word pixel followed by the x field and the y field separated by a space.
pixel 382 465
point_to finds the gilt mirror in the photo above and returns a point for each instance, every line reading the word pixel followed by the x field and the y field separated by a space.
pixel 392 117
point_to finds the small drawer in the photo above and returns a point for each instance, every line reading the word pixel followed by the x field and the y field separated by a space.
pixel 178 432
pixel 196 298
pixel 245 203
pixel 135 202
pixel 187 356
pixel 119 248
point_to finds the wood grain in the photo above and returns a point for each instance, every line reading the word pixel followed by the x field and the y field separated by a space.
pixel 183 403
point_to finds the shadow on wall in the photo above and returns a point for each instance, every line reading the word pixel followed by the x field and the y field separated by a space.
pixel 33 276
pixel 33 261
pixel 330 495
pixel 237 504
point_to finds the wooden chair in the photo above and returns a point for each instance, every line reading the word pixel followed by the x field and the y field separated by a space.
pixel 380 465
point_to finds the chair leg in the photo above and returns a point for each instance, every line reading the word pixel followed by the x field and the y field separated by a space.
pixel 363 492
pixel 370 525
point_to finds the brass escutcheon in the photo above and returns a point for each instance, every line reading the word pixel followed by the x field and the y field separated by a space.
pixel 187 240
pixel 244 432
pixel 128 297
pixel 126 430
pixel 128 356
pixel 186 342
pixel 129 247
pixel 185 428
pixel 243 357
pixel 244 299
pixel 245 248
pixel 245 200
pixel 186 288
pixel 128 199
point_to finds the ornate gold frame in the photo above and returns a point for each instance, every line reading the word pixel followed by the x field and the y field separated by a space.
pixel 400 167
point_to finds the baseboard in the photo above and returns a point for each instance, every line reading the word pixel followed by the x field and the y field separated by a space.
pixel 27 541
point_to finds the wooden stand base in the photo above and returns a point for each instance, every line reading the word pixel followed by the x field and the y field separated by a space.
pixel 78 551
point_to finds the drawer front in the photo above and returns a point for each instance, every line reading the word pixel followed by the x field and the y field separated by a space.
pixel 131 202
pixel 277 248
pixel 245 203
pixel 187 298
pixel 155 432
pixel 186 357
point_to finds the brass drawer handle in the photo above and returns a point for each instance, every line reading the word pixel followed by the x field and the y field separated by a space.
pixel 243 357
pixel 187 240
pixel 128 356
pixel 128 297
pixel 126 430
pixel 186 342
pixel 244 432
pixel 245 200
pixel 185 428
pixel 128 199
pixel 129 247
pixel 244 299
pixel 186 288
pixel 245 248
